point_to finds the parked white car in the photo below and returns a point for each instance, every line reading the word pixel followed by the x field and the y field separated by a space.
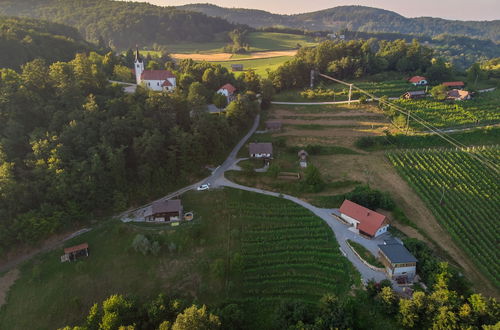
pixel 204 187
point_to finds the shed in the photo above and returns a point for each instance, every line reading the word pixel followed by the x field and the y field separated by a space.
pixel 399 263
pixel 414 95
pixel 74 252
pixel 366 221
pixel 237 67
pixel 165 210
pixel 273 125
pixel 261 150
pixel 458 95
pixel 454 84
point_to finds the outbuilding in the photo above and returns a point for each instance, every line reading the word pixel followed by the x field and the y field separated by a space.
pixel 454 84
pixel 261 150
pixel 236 67
pixel 72 253
pixel 413 95
pixel 363 220
pixel 399 263
pixel 418 80
pixel 458 95
pixel 273 125
pixel 228 91
pixel 165 211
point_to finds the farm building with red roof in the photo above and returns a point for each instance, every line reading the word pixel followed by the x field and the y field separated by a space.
pixel 228 91
pixel 365 221
pixel 454 84
pixel 418 80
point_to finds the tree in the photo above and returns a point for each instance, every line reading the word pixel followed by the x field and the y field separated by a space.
pixel 252 81
pixel 439 92
pixel 267 94
pixel 313 179
pixel 219 100
pixel 197 94
pixel 141 244
pixel 388 299
pixel 116 312
pixel 122 73
pixel 475 74
pixel 196 318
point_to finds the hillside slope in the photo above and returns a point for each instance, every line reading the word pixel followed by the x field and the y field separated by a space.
pixel 22 40
pixel 357 18
pixel 121 24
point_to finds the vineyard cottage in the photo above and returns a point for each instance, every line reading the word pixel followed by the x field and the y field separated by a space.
pixel 261 150
pixel 165 210
pixel 364 221
pixel 399 263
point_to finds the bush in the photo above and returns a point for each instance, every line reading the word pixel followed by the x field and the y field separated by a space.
pixel 371 198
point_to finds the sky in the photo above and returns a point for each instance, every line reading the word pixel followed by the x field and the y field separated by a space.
pixel 449 9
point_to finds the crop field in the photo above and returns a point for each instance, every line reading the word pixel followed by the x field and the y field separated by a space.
pixel 463 194
pixel 261 41
pixel 260 65
pixel 288 252
pixel 482 109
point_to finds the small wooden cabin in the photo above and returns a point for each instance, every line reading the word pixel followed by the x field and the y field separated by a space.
pixel 72 253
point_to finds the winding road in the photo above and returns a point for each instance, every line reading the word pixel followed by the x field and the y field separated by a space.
pixel 341 231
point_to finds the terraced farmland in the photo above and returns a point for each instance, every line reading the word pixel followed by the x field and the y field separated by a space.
pixel 288 252
pixel 464 196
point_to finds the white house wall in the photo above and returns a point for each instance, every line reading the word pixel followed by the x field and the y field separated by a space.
pixel 352 221
pixel 381 230
pixel 400 271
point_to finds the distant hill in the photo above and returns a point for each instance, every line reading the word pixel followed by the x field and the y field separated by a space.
pixel 22 40
pixel 354 18
pixel 122 24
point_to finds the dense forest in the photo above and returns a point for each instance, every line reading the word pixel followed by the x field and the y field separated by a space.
pixel 355 18
pixel 73 146
pixel 356 58
pixel 121 24
pixel 22 40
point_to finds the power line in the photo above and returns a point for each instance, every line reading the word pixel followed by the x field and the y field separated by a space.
pixel 419 120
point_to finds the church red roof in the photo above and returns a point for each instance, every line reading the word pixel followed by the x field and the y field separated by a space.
pixel 416 79
pixel 156 75
pixel 369 221
pixel 166 83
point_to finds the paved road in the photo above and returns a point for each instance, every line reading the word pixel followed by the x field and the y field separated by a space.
pixel 323 103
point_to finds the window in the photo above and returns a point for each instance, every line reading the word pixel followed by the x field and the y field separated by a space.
pixel 157 84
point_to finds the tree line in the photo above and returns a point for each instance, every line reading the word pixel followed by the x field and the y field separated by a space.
pixel 73 146
pixel 120 24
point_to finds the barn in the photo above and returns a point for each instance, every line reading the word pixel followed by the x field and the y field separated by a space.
pixel 261 150
pixel 363 220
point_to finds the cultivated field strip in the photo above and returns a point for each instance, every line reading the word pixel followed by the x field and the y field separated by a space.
pixel 289 253
pixel 463 194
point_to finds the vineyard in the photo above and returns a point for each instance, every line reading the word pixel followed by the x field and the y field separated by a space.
pixel 483 109
pixel 288 252
pixel 463 194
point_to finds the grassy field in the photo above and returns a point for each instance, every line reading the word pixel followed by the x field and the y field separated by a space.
pixel 262 41
pixel 199 260
pixel 462 193
pixel 260 65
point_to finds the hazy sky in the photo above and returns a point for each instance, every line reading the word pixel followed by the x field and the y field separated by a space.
pixel 451 9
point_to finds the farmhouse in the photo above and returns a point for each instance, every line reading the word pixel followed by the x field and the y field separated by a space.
pixel 418 80
pixel 261 150
pixel 399 263
pixel 165 210
pixel 458 95
pixel 454 84
pixel 363 220
pixel 228 91
pixel 74 252
pixel 413 95
pixel 156 80
pixel 237 67
pixel 273 125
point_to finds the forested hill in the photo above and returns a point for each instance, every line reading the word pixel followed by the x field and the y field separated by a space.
pixel 121 24
pixel 22 40
pixel 355 18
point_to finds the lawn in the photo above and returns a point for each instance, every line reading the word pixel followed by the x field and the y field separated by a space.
pixel 196 47
pixel 260 65
pixel 219 256
pixel 262 41
pixel 365 254
pixel 462 193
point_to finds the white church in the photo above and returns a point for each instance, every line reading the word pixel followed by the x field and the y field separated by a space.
pixel 156 80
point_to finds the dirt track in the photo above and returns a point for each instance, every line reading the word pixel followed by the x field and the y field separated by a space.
pixel 6 282
pixel 227 56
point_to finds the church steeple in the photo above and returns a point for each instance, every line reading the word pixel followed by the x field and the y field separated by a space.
pixel 138 66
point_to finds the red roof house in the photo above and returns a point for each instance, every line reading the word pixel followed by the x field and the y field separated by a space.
pixel 418 80
pixel 454 84
pixel 228 91
pixel 366 221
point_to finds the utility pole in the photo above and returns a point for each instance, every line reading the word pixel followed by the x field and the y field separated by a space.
pixel 350 93
pixel 312 78
pixel 408 122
